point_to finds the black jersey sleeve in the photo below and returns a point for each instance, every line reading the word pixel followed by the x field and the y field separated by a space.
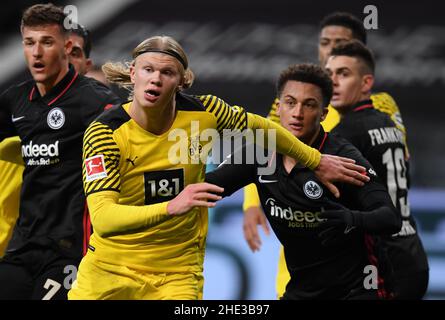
pixel 347 130
pixel 375 209
pixel 97 98
pixel 7 128
pixel 233 173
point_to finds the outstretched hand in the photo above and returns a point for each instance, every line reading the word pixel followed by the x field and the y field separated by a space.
pixel 194 195
pixel 338 222
pixel 338 169
pixel 253 217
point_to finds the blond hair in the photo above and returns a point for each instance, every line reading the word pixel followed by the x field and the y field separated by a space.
pixel 119 73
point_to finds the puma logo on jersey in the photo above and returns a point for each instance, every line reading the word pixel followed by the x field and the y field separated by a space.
pixel 132 161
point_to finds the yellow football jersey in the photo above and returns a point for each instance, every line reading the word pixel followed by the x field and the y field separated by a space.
pixel 139 167
pixel 283 275
pixel 10 183
pixel 144 171
pixel 382 101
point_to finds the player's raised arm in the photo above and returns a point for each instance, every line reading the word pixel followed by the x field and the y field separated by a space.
pixel 328 168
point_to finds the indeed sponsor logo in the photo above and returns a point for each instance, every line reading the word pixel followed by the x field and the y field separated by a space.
pixel 40 150
pixel 293 215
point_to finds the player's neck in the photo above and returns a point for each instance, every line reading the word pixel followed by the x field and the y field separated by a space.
pixel 156 120
pixel 46 86
pixel 349 108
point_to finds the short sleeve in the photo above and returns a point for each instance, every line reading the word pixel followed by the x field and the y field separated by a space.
pixel 101 156
pixel 227 117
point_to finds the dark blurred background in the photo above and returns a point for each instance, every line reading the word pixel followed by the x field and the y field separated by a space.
pixel 237 48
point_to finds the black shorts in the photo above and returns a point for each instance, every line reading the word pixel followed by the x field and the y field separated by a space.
pixel 36 272
pixel 412 286
pixel 359 293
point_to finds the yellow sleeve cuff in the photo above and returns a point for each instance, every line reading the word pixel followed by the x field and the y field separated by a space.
pixel 10 150
pixel 251 197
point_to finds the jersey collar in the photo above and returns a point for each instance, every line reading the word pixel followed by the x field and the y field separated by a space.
pixel 365 104
pixel 58 90
pixel 320 139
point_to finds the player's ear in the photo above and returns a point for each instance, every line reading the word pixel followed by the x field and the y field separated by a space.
pixel 132 71
pixel 89 64
pixel 180 86
pixel 367 83
pixel 324 113
pixel 277 103
pixel 68 46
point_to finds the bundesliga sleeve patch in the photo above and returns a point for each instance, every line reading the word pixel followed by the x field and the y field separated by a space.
pixel 95 168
